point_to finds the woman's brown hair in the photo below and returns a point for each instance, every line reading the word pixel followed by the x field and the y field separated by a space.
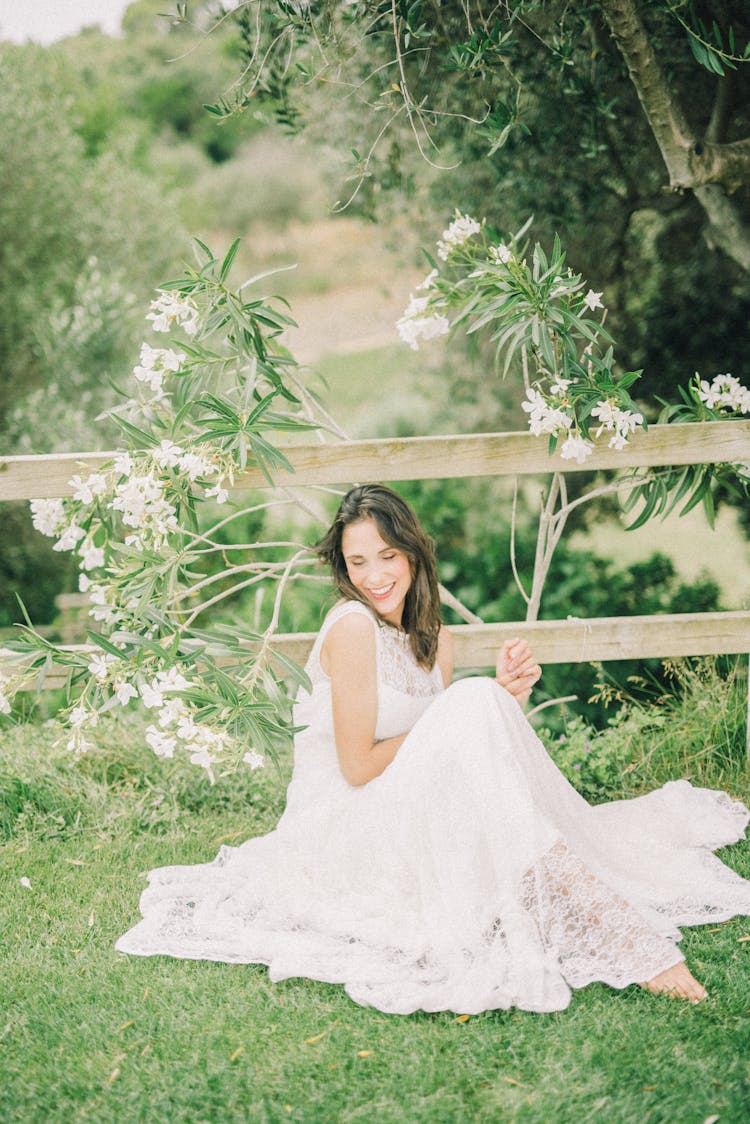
pixel 399 527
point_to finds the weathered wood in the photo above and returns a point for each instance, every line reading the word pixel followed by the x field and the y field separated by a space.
pixel 419 458
pixel 575 640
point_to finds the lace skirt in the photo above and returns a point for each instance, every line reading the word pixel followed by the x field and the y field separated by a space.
pixel 469 876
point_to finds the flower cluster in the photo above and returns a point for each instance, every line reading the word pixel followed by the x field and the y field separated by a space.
pixel 542 310
pixel 176 724
pixel 418 323
pixel 620 423
pixel 151 552
pixel 457 234
pixel 171 310
pixel 724 392
pixel 155 363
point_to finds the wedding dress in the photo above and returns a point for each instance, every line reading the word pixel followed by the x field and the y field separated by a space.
pixel 468 876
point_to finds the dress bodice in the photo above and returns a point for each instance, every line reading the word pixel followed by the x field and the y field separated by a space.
pixel 405 690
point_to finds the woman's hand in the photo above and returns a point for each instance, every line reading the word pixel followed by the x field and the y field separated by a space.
pixel 516 669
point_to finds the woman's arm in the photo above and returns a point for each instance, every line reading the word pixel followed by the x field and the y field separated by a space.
pixel 445 655
pixel 348 657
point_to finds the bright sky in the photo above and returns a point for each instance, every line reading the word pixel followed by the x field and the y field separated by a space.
pixel 44 21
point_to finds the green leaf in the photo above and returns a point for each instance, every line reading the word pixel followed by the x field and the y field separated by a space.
pixel 226 265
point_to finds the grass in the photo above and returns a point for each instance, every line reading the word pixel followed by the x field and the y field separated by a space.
pixel 87 1034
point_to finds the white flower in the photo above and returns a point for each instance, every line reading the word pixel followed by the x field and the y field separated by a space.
pixel 48 516
pixel 123 464
pixel 81 716
pixel 593 300
pixel 429 280
pixel 576 448
pixel 725 392
pixel 162 744
pixel 171 711
pixel 124 692
pixel 254 760
pixel 155 363
pixel 187 730
pixel 172 679
pixel 85 490
pixel 459 232
pixel 168 454
pixel 100 665
pixel 25 883
pixel 614 420
pixel 194 465
pixel 151 695
pixel 544 418
pixel 203 758
pixel 84 583
pixel 143 505
pixel 4 701
pixel 559 387
pixel 221 494
pixel 69 537
pixel 170 309
pixel 78 744
pixel 92 557
pixel 417 323
pixel 501 254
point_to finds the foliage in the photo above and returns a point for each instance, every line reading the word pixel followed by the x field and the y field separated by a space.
pixel 696 731
pixel 95 235
pixel 148 539
pixel 439 103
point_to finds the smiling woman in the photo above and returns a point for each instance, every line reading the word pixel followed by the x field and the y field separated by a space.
pixel 431 855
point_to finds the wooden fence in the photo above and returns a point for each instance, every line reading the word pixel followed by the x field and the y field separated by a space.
pixel 574 640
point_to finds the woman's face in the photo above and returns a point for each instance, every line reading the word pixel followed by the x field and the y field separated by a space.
pixel 379 572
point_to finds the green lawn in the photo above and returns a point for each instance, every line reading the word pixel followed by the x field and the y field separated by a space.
pixel 88 1034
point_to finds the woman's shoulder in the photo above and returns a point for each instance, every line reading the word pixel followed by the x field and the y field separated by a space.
pixel 353 612
pixel 346 631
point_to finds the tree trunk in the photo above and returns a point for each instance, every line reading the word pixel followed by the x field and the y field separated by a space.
pixel 709 169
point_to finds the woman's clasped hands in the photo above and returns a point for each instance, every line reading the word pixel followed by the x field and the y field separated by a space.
pixel 516 669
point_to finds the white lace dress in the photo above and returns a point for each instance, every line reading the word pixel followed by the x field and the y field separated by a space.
pixel 468 876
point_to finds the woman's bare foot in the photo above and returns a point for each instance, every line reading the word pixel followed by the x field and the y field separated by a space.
pixel 678 981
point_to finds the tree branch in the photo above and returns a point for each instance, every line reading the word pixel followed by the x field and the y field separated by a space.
pixel 690 163
pixel 709 169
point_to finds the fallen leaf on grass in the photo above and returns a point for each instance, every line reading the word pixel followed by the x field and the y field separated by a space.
pixel 113 1075
pixel 741 940
pixel 125 1025
pixel 315 1038
pixel 225 838
pixel 364 1053
pixel 236 1054
pixel 75 862
pixel 512 1081
pixel 463 1018
pixel 649 1088
pixel 91 919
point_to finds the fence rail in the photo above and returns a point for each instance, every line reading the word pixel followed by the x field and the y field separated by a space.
pixel 420 458
pixel 573 640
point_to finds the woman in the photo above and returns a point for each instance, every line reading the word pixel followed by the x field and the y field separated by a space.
pixel 431 855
